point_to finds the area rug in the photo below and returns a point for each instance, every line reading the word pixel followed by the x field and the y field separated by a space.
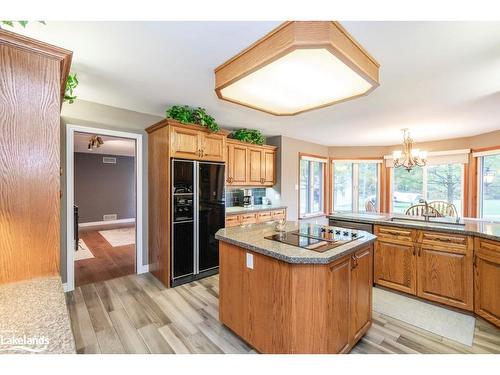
pixel 120 236
pixel 83 251
pixel 443 322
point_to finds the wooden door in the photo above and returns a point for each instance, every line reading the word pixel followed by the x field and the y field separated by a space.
pixel 361 292
pixel 255 157
pixel 212 146
pixel 444 269
pixel 185 143
pixel 395 265
pixel 487 280
pixel 268 165
pixel 338 305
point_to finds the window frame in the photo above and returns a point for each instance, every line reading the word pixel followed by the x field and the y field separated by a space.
pixel 480 176
pixel 425 187
pixel 355 180
pixel 324 162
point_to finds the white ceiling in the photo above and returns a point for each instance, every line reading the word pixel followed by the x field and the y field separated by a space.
pixel 111 146
pixel 440 79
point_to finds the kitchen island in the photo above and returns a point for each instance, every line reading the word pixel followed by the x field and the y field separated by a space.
pixel 286 299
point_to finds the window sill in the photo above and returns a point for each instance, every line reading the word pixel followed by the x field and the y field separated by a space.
pixel 312 216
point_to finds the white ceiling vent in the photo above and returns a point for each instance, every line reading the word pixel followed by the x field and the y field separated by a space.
pixel 109 217
pixel 108 160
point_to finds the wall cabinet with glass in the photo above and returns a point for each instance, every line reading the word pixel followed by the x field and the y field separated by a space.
pixel 356 185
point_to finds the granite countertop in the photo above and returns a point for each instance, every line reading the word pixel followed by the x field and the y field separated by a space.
pixel 255 208
pixel 473 227
pixel 34 318
pixel 251 237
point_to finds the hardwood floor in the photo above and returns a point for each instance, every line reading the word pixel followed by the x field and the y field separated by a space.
pixel 136 314
pixel 109 262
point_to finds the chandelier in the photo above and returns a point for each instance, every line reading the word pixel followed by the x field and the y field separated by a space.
pixel 410 157
pixel 95 142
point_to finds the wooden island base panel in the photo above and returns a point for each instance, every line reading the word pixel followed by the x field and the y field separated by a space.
pixel 280 307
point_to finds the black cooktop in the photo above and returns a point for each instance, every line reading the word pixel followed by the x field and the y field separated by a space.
pixel 317 238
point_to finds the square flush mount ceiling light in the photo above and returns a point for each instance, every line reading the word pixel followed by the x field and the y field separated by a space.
pixel 298 67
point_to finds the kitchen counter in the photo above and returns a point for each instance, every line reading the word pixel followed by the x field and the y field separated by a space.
pixel 472 227
pixel 34 318
pixel 283 299
pixel 236 210
pixel 251 237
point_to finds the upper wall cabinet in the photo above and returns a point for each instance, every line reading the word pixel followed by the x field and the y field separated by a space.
pixel 250 165
pixel 194 142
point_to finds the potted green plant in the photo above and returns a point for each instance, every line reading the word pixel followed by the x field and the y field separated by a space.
pixel 253 136
pixel 186 114
pixel 71 84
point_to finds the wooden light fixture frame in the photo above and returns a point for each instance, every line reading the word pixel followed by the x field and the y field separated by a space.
pixel 290 36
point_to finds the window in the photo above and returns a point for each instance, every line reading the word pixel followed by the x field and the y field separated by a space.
pixel 312 186
pixel 489 187
pixel 355 185
pixel 442 182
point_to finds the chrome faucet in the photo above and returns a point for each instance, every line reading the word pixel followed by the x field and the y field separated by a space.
pixel 426 213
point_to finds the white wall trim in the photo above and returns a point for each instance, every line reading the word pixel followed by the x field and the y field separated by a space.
pixel 70 132
pixel 103 223
pixel 65 287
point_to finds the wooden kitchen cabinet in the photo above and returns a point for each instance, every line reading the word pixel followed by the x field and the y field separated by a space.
pixel 255 217
pixel 237 164
pixel 361 293
pixel 444 269
pixel 432 265
pixel 194 142
pixel 250 165
pixel 487 280
pixel 395 262
pixel 280 307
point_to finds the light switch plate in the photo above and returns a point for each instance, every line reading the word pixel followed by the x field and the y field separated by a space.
pixel 250 261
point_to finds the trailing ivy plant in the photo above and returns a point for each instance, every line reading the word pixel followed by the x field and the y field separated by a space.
pixel 71 84
pixel 248 135
pixel 13 23
pixel 186 114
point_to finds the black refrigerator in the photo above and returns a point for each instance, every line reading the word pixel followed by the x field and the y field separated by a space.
pixel 198 211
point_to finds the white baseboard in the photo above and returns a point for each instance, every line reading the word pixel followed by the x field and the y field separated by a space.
pixel 143 269
pixel 106 222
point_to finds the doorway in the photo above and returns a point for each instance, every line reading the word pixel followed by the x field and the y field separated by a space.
pixel 104 205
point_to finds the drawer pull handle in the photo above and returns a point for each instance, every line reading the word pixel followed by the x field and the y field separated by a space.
pixel 393 233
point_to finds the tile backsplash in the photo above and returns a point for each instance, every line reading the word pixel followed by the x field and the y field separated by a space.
pixel 234 196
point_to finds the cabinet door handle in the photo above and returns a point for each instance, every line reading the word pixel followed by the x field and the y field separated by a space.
pixel 474 260
pixel 414 249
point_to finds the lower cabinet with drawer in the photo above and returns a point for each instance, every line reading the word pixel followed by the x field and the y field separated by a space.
pixel 432 265
pixel 255 217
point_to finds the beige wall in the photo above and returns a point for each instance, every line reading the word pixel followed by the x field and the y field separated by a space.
pixel 478 141
pixel 96 115
pixel 288 169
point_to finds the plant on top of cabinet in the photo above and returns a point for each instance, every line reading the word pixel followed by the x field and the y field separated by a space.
pixel 186 114
pixel 249 136
pixel 71 83
pixel 12 23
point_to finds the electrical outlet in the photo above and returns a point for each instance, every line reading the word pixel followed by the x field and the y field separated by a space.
pixel 250 261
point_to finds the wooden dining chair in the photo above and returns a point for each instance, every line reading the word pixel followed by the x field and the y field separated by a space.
pixel 369 206
pixel 444 208
pixel 419 210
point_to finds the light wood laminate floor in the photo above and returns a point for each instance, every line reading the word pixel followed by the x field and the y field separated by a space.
pixel 136 314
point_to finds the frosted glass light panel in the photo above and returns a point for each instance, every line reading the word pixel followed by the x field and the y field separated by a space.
pixel 300 80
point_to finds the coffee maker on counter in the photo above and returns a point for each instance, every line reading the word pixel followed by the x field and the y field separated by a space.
pixel 247 198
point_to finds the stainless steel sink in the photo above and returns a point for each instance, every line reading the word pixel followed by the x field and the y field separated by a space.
pixel 430 222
